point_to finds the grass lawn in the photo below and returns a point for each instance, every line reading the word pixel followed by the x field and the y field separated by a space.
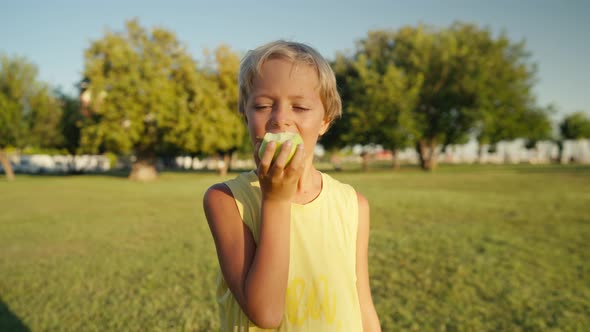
pixel 467 248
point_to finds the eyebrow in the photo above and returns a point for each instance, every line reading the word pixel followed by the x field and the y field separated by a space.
pixel 291 97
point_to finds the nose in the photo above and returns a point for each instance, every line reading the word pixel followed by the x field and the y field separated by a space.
pixel 280 116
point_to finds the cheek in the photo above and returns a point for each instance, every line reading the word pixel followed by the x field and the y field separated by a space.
pixel 255 123
pixel 252 131
pixel 311 133
pixel 315 124
pixel 256 128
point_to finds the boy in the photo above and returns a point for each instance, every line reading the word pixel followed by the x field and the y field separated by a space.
pixel 291 241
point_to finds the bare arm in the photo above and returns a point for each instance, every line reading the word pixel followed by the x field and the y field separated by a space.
pixel 257 277
pixel 369 315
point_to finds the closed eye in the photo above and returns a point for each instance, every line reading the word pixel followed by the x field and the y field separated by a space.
pixel 261 107
pixel 300 108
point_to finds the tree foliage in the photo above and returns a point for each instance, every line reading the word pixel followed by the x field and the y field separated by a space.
pixel 378 101
pixel 575 126
pixel 71 121
pixel 227 123
pixel 29 112
pixel 377 104
pixel 149 98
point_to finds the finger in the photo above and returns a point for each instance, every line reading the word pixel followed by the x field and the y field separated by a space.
pixel 297 162
pixel 283 156
pixel 266 159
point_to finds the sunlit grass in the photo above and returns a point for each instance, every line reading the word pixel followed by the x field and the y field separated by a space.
pixel 463 249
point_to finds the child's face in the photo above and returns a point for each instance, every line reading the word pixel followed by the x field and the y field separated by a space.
pixel 285 97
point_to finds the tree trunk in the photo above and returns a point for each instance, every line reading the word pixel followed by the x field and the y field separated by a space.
pixel 559 152
pixel 365 164
pixel 6 165
pixel 427 153
pixel 433 156
pixel 226 157
pixel 480 153
pixel 395 162
pixel 421 152
pixel 144 168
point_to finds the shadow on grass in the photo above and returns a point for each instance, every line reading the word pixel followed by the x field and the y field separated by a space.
pixel 9 321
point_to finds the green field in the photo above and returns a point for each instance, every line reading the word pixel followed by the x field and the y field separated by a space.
pixel 493 248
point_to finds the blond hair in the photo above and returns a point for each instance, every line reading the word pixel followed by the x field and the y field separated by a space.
pixel 251 64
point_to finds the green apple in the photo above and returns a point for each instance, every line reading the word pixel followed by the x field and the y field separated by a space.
pixel 280 138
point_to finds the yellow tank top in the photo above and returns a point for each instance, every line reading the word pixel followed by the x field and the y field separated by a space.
pixel 321 292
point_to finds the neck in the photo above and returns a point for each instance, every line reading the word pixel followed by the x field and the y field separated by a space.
pixel 310 180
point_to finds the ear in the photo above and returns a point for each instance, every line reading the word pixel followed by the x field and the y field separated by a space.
pixel 324 127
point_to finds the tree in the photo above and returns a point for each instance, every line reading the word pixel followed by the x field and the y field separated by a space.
pixel 71 121
pixel 149 98
pixel 536 125
pixel 466 78
pixel 575 126
pixel 378 100
pixel 29 113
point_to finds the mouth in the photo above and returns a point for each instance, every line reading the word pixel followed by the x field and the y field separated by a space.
pixel 277 132
pixel 261 138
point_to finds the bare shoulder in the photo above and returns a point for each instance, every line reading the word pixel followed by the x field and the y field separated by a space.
pixel 217 191
pixel 362 201
pixel 363 207
pixel 218 195
pixel 219 206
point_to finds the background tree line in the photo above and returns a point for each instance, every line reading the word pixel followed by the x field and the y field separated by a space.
pixel 143 94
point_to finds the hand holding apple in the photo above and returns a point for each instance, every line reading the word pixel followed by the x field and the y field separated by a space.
pixel 279 139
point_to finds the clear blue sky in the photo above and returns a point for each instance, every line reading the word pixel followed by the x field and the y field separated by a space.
pixel 54 34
